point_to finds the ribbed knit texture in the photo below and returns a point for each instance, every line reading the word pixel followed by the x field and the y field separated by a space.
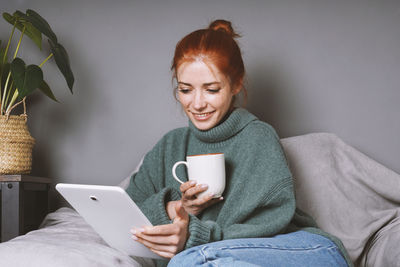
pixel 259 197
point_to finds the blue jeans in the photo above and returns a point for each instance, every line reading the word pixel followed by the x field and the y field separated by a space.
pixel 294 249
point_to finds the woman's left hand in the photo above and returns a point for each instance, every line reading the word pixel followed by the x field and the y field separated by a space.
pixel 165 240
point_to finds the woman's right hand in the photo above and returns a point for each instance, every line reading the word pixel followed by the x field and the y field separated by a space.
pixel 191 203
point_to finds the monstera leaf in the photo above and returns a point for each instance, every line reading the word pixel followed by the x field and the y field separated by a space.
pixel 62 61
pixel 41 24
pixel 19 20
pixel 26 78
pixel 44 87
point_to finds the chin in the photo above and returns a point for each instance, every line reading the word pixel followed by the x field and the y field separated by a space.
pixel 206 124
pixel 203 126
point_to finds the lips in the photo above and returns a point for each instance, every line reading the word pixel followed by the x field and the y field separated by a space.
pixel 202 116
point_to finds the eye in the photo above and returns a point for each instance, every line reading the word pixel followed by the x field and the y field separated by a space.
pixel 184 90
pixel 213 91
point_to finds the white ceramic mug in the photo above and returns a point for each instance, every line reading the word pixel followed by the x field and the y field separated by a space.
pixel 206 169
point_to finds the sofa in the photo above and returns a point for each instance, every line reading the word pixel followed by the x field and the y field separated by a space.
pixel 349 195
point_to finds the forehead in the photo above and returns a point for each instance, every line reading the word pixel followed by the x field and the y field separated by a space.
pixel 199 71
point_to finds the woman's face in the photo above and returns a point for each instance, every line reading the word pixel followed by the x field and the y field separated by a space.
pixel 204 93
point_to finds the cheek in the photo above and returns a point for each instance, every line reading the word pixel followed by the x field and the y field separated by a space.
pixel 216 100
pixel 223 101
pixel 184 100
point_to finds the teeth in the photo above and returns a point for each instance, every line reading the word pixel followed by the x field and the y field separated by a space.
pixel 202 115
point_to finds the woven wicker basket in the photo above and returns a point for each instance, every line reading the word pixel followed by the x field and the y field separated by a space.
pixel 15 145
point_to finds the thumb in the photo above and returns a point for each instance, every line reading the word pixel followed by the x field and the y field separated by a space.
pixel 181 213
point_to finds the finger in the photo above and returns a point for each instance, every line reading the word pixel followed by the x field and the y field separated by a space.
pixel 205 202
pixel 181 213
pixel 164 229
pixel 170 240
pixel 213 201
pixel 158 247
pixel 202 201
pixel 193 191
pixel 187 185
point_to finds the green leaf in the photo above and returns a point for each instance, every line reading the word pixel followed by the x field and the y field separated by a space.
pixel 62 61
pixel 44 87
pixel 9 18
pixel 41 24
pixel 5 69
pixel 30 30
pixel 2 51
pixel 26 79
pixel 10 92
pixel 18 72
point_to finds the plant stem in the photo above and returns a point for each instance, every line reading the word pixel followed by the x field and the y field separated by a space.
pixel 9 75
pixel 50 56
pixel 9 108
pixel 19 42
pixel 9 92
pixel 4 60
pixel 4 93
pixel 9 41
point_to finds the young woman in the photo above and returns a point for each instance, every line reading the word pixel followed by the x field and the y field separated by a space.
pixel 256 222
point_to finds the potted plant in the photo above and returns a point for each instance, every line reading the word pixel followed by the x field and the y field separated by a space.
pixel 17 81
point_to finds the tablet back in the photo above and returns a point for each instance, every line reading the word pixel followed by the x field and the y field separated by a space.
pixel 111 213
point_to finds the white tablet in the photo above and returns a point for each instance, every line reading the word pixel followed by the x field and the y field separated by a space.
pixel 111 213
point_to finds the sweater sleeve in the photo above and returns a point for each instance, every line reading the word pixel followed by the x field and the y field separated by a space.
pixel 148 190
pixel 260 201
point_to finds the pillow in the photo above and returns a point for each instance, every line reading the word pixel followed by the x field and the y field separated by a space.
pixel 384 250
pixel 348 194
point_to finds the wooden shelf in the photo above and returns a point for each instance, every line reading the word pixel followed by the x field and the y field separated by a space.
pixel 24 178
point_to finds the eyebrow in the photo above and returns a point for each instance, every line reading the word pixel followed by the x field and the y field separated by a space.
pixel 205 84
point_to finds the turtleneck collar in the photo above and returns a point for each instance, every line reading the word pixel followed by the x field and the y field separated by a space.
pixel 233 124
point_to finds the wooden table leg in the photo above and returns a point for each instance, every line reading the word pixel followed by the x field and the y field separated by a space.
pixel 11 210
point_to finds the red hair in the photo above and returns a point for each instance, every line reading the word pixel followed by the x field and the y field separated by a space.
pixel 215 45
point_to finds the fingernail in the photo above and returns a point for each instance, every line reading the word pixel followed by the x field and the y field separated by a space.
pixel 141 230
pixel 134 237
pixel 133 232
pixel 204 186
pixel 192 182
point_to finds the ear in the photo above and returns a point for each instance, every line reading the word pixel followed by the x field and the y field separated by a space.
pixel 238 87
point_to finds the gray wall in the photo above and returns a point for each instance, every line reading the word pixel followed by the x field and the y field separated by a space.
pixel 313 66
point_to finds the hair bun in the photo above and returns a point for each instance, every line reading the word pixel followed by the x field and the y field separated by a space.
pixel 224 26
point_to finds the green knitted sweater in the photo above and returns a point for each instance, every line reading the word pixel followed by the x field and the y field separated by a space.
pixel 259 198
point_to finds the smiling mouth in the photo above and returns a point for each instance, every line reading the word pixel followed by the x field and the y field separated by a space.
pixel 202 116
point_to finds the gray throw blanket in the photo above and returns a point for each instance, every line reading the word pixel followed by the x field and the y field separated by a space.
pixel 349 195
pixel 63 240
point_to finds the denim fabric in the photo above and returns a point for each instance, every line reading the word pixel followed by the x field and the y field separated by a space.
pixel 294 249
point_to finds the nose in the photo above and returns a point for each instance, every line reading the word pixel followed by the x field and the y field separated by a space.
pixel 199 102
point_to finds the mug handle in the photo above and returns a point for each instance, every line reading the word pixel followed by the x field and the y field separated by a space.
pixel 174 169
